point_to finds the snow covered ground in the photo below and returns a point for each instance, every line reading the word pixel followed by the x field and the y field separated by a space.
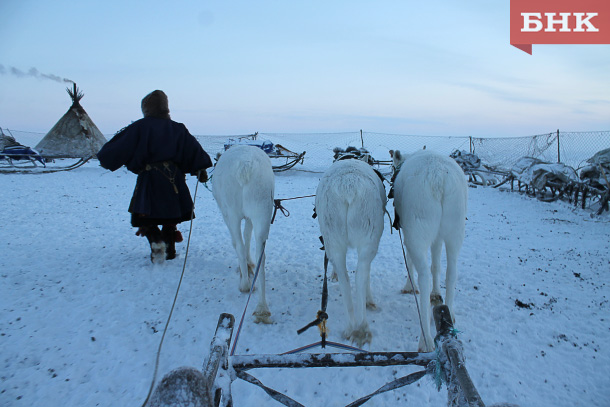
pixel 83 309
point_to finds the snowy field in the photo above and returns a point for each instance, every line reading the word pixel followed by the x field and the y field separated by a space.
pixel 83 309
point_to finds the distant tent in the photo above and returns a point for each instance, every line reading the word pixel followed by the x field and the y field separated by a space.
pixel 74 135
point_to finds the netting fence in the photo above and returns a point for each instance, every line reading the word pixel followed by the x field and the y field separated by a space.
pixel 570 148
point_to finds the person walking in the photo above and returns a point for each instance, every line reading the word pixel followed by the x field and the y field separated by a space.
pixel 161 152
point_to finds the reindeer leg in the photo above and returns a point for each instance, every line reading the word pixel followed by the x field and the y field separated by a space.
pixel 410 287
pixel 435 296
pixel 247 240
pixel 261 313
pixel 234 226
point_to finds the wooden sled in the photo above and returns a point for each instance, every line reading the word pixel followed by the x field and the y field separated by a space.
pixel 282 159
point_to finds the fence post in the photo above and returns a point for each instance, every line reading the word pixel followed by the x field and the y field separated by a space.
pixel 470 138
pixel 558 151
pixel 361 139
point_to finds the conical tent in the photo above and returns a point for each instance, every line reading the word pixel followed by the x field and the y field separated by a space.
pixel 74 135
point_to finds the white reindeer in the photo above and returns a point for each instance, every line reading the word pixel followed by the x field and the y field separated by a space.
pixel 430 197
pixel 350 203
pixel 243 186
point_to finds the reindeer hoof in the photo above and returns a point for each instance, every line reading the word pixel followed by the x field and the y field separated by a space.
pixel 370 305
pixel 422 345
pixel 263 317
pixel 244 287
pixel 436 299
pixel 360 336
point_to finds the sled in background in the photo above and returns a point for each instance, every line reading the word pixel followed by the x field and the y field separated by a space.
pixel 282 159
pixel 595 178
pixel 16 155
pixel 17 158
pixel 549 182
pixel 361 154
pixel 478 172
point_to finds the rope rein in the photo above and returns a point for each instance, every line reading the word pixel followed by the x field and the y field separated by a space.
pixel 277 203
pixel 188 242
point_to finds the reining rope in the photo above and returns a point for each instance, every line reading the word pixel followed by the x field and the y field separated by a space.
pixel 277 203
pixel 188 242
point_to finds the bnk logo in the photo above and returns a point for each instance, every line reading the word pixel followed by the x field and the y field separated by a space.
pixel 559 22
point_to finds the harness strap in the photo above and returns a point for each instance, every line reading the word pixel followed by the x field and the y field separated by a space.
pixel 277 203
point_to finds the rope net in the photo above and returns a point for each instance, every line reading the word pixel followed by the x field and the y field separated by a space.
pixel 570 148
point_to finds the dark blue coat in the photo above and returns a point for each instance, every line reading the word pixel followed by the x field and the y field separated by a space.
pixel 161 152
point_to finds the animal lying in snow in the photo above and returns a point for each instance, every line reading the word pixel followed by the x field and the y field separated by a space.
pixel 243 186
pixel 430 198
pixel 350 203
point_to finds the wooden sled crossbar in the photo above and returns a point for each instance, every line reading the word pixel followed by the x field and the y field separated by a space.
pixel 210 388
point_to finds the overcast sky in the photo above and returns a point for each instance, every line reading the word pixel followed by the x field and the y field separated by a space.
pixel 235 67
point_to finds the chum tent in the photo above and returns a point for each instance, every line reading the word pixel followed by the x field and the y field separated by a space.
pixel 74 135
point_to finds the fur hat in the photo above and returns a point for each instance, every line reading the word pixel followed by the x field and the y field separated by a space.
pixel 155 104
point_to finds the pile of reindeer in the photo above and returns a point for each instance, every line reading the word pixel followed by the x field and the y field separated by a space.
pixel 430 199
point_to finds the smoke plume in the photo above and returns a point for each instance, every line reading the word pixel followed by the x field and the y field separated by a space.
pixel 33 72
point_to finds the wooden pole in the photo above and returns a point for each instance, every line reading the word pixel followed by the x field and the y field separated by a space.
pixel 219 356
pixel 246 362
pixel 460 389
pixel 558 151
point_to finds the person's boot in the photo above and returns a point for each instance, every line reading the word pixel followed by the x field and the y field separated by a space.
pixel 171 235
pixel 155 239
